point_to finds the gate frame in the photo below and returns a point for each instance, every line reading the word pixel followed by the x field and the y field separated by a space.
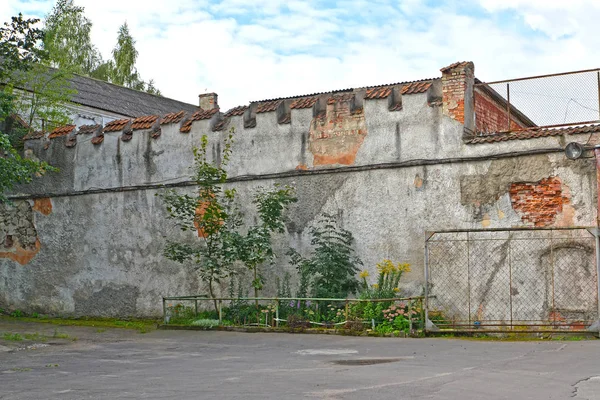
pixel 595 231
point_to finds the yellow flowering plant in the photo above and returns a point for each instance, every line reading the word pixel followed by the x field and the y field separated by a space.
pixel 388 278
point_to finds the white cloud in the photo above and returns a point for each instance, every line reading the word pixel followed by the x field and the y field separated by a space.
pixel 250 50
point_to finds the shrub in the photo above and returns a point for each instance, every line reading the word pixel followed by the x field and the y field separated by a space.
pixel 331 269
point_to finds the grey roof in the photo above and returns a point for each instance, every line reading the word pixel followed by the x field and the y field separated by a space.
pixel 121 100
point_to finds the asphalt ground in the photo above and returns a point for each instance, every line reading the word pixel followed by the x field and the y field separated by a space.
pixel 90 363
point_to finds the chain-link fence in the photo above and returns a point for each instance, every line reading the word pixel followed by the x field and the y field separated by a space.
pixel 512 279
pixel 571 98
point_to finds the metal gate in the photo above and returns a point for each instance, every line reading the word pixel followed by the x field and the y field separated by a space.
pixel 512 279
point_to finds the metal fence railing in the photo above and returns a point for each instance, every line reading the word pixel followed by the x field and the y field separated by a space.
pixel 512 279
pixel 571 98
pixel 297 312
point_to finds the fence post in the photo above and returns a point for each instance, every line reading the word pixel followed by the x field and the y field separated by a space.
pixel 597 236
pixel 469 275
pixel 410 318
pixel 196 307
pixel 598 94
pixel 220 312
pixel 164 311
pixel 346 310
pixel 508 104
pixel 277 313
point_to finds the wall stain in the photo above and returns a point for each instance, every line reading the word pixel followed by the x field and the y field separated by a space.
pixel 43 205
pixel 22 255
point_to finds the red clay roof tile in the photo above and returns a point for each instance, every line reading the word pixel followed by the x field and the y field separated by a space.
pixel 197 116
pixel 415 87
pixel 98 139
pixel 304 102
pixel 531 133
pixel 87 129
pixel 34 135
pixel 267 106
pixel 144 122
pixel 235 111
pixel 172 118
pixel 61 131
pixel 116 125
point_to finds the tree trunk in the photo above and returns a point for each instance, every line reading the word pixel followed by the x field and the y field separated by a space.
pixel 212 295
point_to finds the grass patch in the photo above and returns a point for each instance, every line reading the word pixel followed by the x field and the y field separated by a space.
pixel 21 369
pixel 142 326
pixel 15 337
pixel 35 337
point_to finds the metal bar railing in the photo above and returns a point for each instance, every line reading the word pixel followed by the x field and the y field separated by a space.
pixel 414 302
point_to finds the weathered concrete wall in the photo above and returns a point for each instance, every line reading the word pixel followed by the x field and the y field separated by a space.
pixel 390 171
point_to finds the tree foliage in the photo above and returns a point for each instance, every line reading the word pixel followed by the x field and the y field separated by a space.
pixel 330 272
pixel 69 45
pixel 214 213
pixel 68 40
pixel 255 247
pixel 211 212
pixel 21 55
pixel 16 169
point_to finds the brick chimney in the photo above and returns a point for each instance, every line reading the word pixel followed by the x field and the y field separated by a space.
pixel 208 101
pixel 457 93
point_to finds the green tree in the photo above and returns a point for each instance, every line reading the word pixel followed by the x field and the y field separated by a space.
pixel 68 40
pixel 125 55
pixel 214 213
pixel 255 247
pixel 121 69
pixel 20 54
pixel 211 211
pixel 331 270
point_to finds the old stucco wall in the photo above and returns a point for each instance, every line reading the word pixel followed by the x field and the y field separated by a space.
pixel 389 176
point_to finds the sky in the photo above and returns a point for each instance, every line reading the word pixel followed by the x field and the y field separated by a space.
pixel 249 50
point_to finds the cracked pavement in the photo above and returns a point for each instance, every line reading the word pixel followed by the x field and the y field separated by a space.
pixel 119 364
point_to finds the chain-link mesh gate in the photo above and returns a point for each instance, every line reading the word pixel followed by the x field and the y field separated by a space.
pixel 512 279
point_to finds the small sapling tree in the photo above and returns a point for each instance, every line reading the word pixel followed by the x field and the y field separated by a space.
pixel 211 211
pixel 255 247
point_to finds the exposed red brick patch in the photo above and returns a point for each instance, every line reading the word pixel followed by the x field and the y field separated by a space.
pixel 21 255
pixel 454 86
pixel 337 134
pixel 43 205
pixel 301 167
pixel 539 203
pixel 491 116
pixel 144 122
pixel 116 125
pixel 61 131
